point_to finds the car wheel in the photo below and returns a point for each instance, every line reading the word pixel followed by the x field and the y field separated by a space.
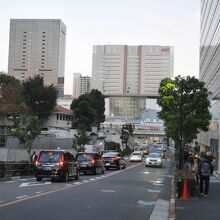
pixel 95 171
pixel 66 177
pixel 38 179
pixel 119 167
pixel 77 175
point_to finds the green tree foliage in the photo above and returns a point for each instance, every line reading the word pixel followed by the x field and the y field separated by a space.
pixel 98 104
pixel 84 114
pixel 185 108
pixel 81 137
pixel 28 127
pixel 40 99
pixel 89 110
pixel 10 99
pixel 126 132
pixel 7 79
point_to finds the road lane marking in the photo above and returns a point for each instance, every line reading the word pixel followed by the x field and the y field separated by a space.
pixel 77 183
pixel 11 181
pixel 34 184
pixel 21 197
pixel 146 203
pixel 38 192
pixel 107 190
pixel 154 190
pixel 55 190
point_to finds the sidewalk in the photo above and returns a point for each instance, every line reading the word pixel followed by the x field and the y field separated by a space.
pixel 199 207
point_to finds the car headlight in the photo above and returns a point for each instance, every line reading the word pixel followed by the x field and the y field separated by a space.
pixel 159 160
pixel 147 159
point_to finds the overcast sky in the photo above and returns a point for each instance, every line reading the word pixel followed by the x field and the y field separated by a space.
pixel 131 22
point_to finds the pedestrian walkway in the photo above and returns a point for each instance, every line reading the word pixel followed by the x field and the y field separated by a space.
pixel 199 207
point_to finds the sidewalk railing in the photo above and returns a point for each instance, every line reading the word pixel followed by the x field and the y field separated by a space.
pixel 10 169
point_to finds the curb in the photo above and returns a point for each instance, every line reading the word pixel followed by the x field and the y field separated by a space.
pixel 172 214
pixel 161 210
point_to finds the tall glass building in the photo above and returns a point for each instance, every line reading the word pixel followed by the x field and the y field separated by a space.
pixel 210 69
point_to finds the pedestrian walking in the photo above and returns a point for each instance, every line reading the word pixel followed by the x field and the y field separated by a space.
pixel 34 157
pixel 196 167
pixel 204 173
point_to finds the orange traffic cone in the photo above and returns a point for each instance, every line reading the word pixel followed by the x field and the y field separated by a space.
pixel 185 194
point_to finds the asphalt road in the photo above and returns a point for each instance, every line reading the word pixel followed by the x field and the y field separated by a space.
pixel 126 194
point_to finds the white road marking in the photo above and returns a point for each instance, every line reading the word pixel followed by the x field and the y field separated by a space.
pixel 34 184
pixel 107 190
pixel 38 192
pixel 21 197
pixel 77 183
pixel 11 181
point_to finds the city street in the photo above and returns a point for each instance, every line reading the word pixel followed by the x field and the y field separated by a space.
pixel 125 194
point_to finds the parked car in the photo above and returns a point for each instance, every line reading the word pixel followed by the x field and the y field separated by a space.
pixel 136 156
pixel 113 160
pixel 56 164
pixel 90 162
pixel 154 159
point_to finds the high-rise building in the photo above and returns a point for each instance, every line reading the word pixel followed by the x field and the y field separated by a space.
pixel 131 70
pixel 210 72
pixel 81 84
pixel 209 46
pixel 129 74
pixel 37 47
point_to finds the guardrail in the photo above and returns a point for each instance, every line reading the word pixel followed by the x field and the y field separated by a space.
pixel 9 169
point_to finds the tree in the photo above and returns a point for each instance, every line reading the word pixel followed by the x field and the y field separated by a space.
pixel 27 130
pixel 126 132
pixel 40 99
pixel 84 114
pixel 7 79
pixel 10 100
pixel 98 104
pixel 81 137
pixel 185 110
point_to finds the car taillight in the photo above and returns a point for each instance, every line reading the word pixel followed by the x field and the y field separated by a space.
pixel 114 158
pixel 92 161
pixel 61 162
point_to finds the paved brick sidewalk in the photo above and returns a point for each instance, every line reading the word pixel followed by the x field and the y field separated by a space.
pixel 201 208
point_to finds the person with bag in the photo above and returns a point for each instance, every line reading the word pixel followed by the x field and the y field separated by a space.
pixel 204 172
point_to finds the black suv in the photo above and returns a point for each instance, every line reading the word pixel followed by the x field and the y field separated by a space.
pixel 56 164
pixel 113 160
pixel 90 162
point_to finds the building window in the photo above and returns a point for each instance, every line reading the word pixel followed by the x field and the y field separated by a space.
pixel 57 116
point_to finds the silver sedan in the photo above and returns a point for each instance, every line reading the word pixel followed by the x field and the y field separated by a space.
pixel 154 159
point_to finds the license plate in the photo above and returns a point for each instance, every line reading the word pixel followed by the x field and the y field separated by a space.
pixel 107 164
pixel 47 168
pixel 83 165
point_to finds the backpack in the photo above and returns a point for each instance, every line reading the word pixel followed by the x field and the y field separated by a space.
pixel 205 169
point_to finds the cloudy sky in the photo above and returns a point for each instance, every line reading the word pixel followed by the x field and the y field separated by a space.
pixel 131 22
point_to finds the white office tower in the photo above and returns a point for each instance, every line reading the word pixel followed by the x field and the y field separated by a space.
pixel 81 85
pixel 130 73
pixel 37 47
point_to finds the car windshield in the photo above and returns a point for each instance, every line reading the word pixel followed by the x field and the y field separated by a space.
pixel 110 154
pixel 154 155
pixel 84 157
pixel 49 157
